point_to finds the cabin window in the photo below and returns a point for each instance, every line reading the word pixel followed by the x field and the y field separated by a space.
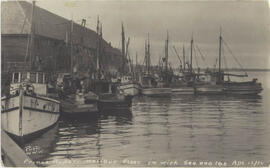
pixel 40 77
pixel 24 76
pixel 16 78
pixel 46 78
pixel 33 77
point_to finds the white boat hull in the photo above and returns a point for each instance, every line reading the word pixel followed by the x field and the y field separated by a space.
pixel 157 91
pixel 130 89
pixel 23 115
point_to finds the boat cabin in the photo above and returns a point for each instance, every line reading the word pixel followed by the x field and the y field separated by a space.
pixel 38 80
pixel 126 79
pixel 214 77
pixel 148 81
pixel 102 87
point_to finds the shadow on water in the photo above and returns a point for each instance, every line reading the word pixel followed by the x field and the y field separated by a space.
pixel 232 97
pixel 40 148
pixel 80 117
pixel 121 116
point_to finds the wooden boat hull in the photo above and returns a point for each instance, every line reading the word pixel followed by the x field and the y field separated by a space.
pixel 72 108
pixel 236 88
pixel 113 102
pixel 244 88
pixel 130 89
pixel 156 91
pixel 80 104
pixel 23 116
pixel 209 90
pixel 183 91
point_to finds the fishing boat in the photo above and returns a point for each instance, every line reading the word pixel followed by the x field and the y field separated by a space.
pixel 80 104
pixel 151 85
pixel 127 84
pixel 27 110
pixel 218 85
pixel 110 98
pixel 184 85
pixel 76 101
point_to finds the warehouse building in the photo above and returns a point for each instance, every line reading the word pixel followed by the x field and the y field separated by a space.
pixel 53 36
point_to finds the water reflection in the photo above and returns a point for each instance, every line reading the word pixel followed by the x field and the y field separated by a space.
pixel 41 147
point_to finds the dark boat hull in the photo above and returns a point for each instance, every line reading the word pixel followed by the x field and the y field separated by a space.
pixel 157 92
pixel 76 109
pixel 243 89
pixel 114 104
pixel 232 88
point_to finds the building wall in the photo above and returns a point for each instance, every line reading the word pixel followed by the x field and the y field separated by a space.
pixel 54 55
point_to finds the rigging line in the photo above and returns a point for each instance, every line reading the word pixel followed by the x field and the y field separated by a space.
pixel 195 54
pixel 202 56
pixel 175 52
pixel 234 56
pixel 144 61
pixel 224 58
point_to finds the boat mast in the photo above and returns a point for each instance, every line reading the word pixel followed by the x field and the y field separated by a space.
pixel 127 55
pixel 123 50
pixel 71 47
pixel 148 56
pixel 166 52
pixel 30 49
pixel 136 63
pixel 219 56
pixel 184 59
pixel 191 49
pixel 98 44
pixel 145 55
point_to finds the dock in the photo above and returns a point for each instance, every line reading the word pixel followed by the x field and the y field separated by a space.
pixel 12 155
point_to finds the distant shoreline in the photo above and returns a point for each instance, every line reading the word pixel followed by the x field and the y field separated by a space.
pixel 248 70
pixel 238 70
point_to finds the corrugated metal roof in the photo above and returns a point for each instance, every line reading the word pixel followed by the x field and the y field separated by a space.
pixel 16 18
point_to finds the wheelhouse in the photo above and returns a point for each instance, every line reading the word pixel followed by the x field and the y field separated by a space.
pixel 38 80
pixel 32 77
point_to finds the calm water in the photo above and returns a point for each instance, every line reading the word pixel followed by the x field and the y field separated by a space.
pixel 166 132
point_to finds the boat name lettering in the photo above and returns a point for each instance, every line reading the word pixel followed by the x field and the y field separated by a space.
pixel 34 103
pixel 50 106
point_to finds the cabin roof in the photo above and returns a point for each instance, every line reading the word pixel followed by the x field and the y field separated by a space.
pixel 16 19
pixel 28 72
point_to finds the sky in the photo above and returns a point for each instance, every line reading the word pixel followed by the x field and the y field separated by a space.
pixel 245 27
